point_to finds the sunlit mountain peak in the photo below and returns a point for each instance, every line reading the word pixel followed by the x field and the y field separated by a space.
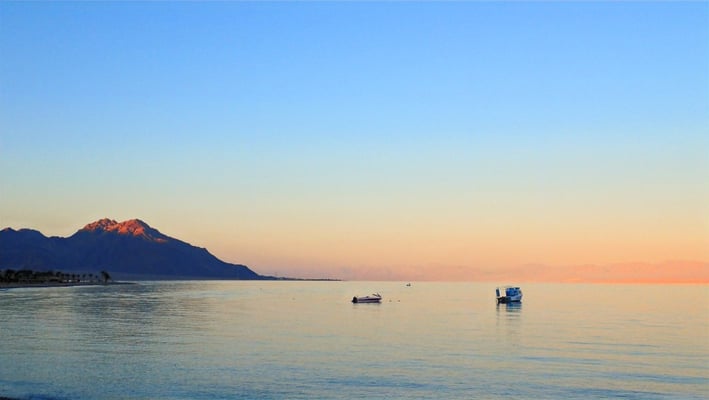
pixel 132 227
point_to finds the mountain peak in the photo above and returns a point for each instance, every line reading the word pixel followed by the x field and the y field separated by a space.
pixel 103 224
pixel 131 227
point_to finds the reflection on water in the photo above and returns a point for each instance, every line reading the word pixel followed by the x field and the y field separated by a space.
pixel 207 340
pixel 510 307
pixel 509 321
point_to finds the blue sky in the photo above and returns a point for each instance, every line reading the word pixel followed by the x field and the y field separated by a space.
pixel 296 137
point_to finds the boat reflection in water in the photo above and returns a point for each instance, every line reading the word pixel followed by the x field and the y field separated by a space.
pixel 515 307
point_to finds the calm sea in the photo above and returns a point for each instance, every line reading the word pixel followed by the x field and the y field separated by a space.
pixel 305 340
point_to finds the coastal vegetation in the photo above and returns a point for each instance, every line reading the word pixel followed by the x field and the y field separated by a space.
pixel 32 277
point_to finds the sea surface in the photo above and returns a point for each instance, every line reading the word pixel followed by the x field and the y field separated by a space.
pixel 306 340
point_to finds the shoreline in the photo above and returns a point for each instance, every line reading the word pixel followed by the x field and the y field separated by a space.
pixel 4 286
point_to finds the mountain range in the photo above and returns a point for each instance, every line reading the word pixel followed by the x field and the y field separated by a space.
pixel 127 250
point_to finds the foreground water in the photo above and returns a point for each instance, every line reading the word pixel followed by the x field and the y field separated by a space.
pixel 289 340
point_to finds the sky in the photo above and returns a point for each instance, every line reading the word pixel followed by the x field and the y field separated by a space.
pixel 368 140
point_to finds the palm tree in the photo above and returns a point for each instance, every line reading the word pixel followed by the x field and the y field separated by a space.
pixel 7 275
pixel 105 276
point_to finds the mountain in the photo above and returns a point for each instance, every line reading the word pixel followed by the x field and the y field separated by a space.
pixel 127 250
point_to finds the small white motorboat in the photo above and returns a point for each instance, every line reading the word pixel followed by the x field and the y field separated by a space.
pixel 373 298
pixel 509 294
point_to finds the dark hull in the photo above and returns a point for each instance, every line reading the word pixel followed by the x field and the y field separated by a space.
pixel 366 300
pixel 507 299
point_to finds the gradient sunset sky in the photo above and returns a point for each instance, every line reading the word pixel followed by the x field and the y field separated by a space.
pixel 367 140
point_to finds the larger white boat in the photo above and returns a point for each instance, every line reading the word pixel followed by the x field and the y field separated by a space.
pixel 374 298
pixel 508 294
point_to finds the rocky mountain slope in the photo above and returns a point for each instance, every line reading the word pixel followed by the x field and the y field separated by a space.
pixel 130 249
